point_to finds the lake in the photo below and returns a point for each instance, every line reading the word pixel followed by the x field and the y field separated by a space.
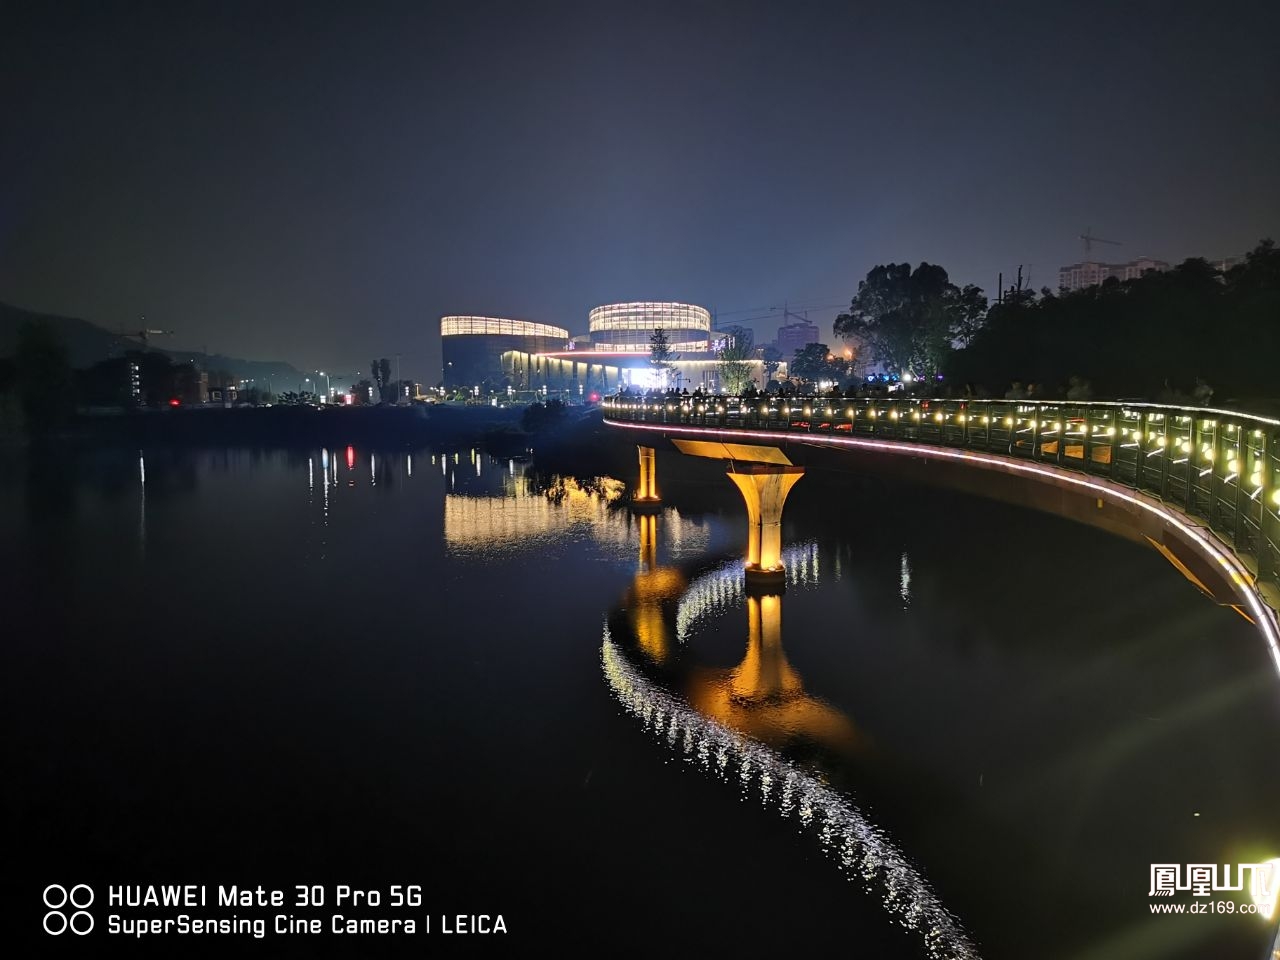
pixel 962 729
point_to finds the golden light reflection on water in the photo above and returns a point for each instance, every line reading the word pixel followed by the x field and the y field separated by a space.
pixel 520 515
pixel 511 509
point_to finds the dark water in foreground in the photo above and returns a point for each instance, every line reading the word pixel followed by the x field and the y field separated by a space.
pixel 961 727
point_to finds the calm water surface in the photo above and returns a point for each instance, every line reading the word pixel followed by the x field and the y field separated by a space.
pixel 962 730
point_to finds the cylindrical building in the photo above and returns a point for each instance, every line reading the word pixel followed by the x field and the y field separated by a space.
pixel 472 347
pixel 627 327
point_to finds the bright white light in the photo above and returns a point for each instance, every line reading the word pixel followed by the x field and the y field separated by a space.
pixel 649 379
pixel 497 326
pixel 1264 887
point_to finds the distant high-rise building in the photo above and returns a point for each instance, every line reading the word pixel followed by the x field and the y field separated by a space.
pixel 1077 276
pixel 796 336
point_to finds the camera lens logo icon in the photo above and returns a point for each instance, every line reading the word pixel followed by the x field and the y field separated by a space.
pixel 79 897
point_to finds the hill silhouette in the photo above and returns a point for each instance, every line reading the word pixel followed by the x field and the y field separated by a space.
pixel 87 343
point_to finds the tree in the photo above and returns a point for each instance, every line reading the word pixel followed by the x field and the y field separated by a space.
pixel 43 377
pixel 909 319
pixel 661 358
pixel 1164 335
pixel 968 311
pixel 362 393
pixel 735 360
pixel 384 380
pixel 814 363
pixel 381 372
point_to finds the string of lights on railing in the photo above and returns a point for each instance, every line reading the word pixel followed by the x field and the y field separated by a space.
pixel 1211 474
pixel 1242 457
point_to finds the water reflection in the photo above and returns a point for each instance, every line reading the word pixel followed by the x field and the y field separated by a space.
pixel 500 505
pixel 652 589
pixel 755 725
pixel 142 504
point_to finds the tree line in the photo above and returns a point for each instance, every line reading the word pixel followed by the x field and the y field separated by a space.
pixel 1170 335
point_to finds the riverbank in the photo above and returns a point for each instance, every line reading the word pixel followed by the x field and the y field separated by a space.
pixel 438 425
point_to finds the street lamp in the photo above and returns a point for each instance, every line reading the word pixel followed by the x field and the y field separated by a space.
pixel 328 387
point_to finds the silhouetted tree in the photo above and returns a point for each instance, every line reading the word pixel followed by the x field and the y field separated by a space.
pixel 660 355
pixel 43 377
pixel 385 389
pixel 815 362
pixel 909 319
pixel 381 373
pixel 1156 336
pixel 734 367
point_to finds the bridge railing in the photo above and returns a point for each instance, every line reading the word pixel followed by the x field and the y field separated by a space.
pixel 1220 466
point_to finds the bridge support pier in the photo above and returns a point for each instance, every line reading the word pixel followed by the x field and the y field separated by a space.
pixel 646 496
pixel 764 487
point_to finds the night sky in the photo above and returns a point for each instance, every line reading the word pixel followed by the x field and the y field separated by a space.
pixel 319 184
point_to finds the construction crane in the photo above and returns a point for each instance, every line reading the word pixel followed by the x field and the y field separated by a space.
pixel 1089 240
pixel 144 332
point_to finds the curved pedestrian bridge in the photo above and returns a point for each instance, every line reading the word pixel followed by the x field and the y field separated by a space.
pixel 1200 485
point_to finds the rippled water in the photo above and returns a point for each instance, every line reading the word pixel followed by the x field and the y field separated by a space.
pixel 962 730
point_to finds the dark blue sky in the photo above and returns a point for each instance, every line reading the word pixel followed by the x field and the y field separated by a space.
pixel 319 186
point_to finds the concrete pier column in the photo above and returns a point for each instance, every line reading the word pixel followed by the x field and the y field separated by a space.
pixel 764 487
pixel 647 488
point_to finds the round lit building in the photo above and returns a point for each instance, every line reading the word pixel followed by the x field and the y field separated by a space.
pixel 628 327
pixel 472 347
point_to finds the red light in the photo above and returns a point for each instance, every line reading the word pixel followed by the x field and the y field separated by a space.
pixel 595 397
pixel 174 401
pixel 351 458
